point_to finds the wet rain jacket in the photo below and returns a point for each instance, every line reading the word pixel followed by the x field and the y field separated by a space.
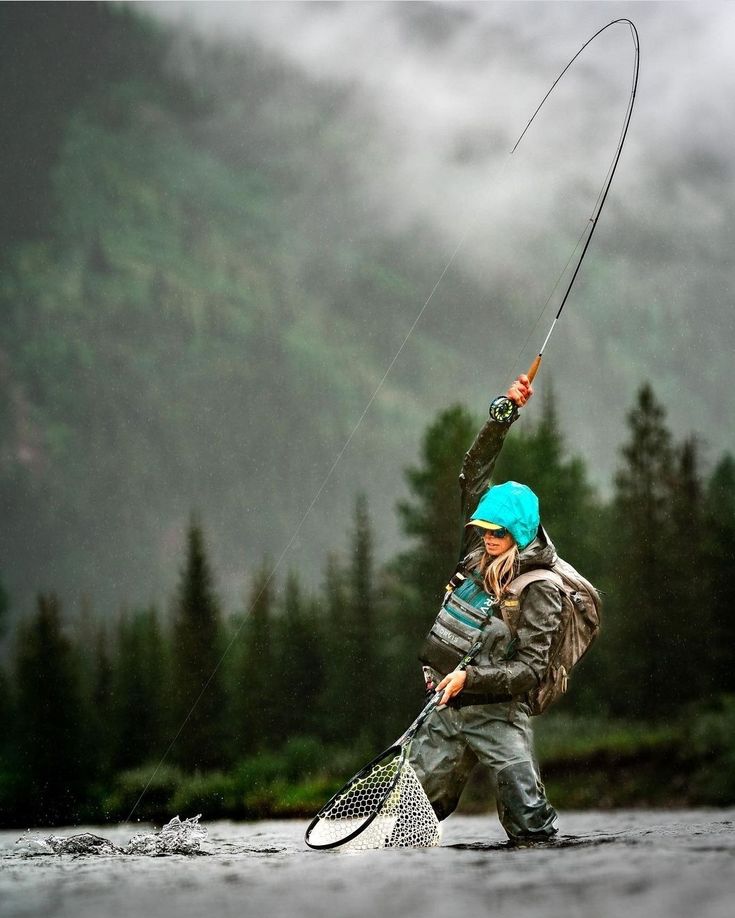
pixel 540 602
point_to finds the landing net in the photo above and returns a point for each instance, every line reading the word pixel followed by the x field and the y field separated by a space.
pixel 384 808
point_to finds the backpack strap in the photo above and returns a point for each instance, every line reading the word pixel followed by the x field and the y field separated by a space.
pixel 520 583
pixel 510 606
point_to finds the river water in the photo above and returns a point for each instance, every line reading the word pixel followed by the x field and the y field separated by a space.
pixel 635 864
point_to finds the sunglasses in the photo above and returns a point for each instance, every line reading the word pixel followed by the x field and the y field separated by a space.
pixel 498 533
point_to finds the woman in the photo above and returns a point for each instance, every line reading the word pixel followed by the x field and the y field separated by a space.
pixel 484 716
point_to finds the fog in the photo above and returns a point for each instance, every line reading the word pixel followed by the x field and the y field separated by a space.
pixel 448 89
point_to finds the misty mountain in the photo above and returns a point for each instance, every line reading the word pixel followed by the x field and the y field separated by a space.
pixel 208 267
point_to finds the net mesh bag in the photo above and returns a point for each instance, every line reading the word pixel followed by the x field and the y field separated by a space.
pixel 385 807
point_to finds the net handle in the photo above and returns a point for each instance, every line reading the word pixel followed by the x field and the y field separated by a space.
pixel 433 703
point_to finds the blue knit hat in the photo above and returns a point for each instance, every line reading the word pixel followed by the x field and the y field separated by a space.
pixel 511 506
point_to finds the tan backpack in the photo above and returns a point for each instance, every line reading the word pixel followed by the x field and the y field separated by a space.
pixel 579 626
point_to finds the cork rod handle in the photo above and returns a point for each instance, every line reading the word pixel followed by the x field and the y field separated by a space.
pixel 533 370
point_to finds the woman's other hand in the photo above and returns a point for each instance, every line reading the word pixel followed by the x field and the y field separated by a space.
pixel 451 685
pixel 520 391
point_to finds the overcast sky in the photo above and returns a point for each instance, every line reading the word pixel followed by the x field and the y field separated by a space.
pixel 455 83
pixel 452 85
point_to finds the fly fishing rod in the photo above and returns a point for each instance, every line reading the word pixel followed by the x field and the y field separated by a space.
pixel 602 196
pixel 384 804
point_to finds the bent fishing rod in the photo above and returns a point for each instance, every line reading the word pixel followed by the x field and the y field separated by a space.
pixel 602 196
pixel 353 810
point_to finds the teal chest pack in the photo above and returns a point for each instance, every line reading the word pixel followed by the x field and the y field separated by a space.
pixel 465 614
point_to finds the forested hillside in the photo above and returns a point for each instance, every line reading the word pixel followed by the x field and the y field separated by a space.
pixel 200 295
pixel 157 355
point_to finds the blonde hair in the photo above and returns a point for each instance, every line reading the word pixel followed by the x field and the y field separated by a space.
pixel 498 572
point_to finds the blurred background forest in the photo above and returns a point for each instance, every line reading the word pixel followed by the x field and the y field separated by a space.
pixel 199 295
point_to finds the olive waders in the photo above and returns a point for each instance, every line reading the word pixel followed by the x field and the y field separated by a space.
pixel 454 740
pixel 496 733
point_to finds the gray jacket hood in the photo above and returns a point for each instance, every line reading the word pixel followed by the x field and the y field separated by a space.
pixel 539 553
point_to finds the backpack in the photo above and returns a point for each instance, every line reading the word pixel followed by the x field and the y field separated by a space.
pixel 579 626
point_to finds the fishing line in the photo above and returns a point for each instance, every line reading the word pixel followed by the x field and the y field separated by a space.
pixel 303 519
pixel 314 500
pixel 593 221
pixel 533 328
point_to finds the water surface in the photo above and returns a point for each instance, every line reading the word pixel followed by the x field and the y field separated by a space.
pixel 628 863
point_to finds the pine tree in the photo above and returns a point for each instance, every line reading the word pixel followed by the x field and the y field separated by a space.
pixel 5 700
pixel 366 687
pixel 411 587
pixel 431 516
pixel 8 766
pixel 95 711
pixel 688 618
pixel 102 699
pixel 402 621
pixel 49 730
pixel 335 699
pixel 300 663
pixel 255 712
pixel 641 555
pixel 199 701
pixel 719 572
pixel 96 674
pixel 137 684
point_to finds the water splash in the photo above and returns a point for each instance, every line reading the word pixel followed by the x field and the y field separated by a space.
pixel 176 837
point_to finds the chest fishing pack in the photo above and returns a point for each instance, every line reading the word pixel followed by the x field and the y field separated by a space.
pixel 463 619
pixel 578 627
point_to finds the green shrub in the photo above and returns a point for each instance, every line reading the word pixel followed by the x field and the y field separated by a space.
pixel 213 794
pixel 160 786
pixel 303 757
pixel 710 740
